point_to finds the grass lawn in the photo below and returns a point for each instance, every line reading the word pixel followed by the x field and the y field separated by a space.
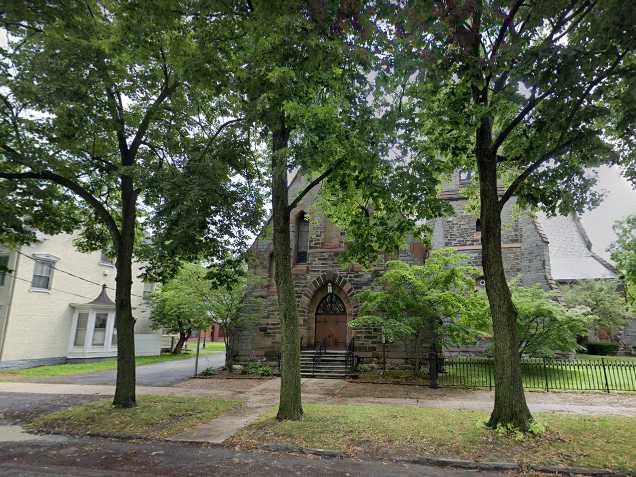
pixel 154 417
pixel 584 441
pixel 71 369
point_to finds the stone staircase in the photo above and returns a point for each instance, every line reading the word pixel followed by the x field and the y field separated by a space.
pixel 332 364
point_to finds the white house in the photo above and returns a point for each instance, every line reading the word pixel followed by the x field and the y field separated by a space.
pixel 56 304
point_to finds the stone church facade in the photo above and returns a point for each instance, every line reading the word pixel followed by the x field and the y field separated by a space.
pixel 326 290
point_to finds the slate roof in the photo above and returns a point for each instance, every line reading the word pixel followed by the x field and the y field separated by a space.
pixel 102 298
pixel 571 255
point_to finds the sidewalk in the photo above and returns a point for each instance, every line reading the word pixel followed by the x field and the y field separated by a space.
pixel 263 393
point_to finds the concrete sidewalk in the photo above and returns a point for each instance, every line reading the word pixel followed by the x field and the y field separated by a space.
pixel 262 393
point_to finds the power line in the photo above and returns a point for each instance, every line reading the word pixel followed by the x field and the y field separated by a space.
pixel 56 289
pixel 74 275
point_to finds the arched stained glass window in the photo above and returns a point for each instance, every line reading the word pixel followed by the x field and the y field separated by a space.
pixel 331 305
pixel 302 238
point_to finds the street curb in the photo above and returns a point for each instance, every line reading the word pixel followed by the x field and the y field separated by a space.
pixel 455 463
pixel 335 454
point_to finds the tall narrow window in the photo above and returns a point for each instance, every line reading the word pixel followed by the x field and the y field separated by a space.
pixel 113 340
pixel 478 225
pixel 270 265
pixel 99 333
pixel 149 289
pixel 80 331
pixel 4 263
pixel 42 274
pixel 302 238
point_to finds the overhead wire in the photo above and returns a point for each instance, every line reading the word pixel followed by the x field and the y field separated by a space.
pixel 75 275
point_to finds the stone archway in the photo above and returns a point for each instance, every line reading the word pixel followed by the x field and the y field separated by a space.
pixel 313 294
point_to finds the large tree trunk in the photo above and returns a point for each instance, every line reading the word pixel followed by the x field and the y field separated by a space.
pixel 510 402
pixel 125 384
pixel 290 405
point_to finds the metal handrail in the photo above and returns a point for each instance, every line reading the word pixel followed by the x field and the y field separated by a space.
pixel 350 356
pixel 322 348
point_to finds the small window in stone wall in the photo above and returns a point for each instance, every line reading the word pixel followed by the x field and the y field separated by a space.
pixel 270 265
pixel 478 225
pixel 465 176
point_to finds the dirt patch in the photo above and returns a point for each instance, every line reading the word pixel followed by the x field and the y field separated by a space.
pixel 21 408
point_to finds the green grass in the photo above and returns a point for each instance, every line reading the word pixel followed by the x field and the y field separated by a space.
pixel 153 417
pixel 72 369
pixel 592 357
pixel 572 440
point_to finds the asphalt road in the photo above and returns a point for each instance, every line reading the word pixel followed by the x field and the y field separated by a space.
pixel 159 374
pixel 93 457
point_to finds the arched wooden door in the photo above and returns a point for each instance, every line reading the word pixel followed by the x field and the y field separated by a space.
pixel 331 322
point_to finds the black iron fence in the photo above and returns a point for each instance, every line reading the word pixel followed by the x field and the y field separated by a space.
pixel 543 373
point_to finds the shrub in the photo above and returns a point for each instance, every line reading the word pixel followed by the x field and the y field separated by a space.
pixel 208 372
pixel 602 348
pixel 257 369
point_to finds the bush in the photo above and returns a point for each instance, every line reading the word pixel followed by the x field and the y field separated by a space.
pixel 208 372
pixel 602 348
pixel 257 369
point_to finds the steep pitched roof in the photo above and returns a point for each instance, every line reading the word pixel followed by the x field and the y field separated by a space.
pixel 571 255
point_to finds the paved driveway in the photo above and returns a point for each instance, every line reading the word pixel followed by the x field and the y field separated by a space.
pixel 159 374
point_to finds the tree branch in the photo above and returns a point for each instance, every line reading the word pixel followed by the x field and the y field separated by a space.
pixel 504 27
pixel 512 189
pixel 532 103
pixel 311 185
pixel 73 186
pixel 166 92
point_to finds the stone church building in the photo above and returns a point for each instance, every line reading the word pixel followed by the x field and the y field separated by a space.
pixel 326 290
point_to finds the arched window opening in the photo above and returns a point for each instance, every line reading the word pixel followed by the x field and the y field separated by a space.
pixel 302 238
pixel 270 265
pixel 331 305
pixel 478 225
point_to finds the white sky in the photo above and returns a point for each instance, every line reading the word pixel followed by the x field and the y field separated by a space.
pixel 619 203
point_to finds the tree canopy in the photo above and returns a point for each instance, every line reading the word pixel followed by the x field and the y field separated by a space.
pixel 623 251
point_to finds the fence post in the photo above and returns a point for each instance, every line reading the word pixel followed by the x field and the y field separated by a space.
pixel 605 375
pixel 490 365
pixel 545 374
pixel 432 366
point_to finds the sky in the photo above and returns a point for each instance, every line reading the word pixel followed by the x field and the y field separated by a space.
pixel 619 203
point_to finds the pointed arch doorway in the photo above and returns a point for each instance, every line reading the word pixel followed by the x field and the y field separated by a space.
pixel 331 322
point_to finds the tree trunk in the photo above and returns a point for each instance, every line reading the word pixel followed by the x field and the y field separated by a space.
pixel 229 359
pixel 125 383
pixel 290 405
pixel 510 402
pixel 183 337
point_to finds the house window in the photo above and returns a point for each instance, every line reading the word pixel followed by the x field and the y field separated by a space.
pixel 42 274
pixel 478 225
pixel 80 331
pixel 465 176
pixel 113 340
pixel 99 332
pixel 4 263
pixel 302 238
pixel 105 260
pixel 149 289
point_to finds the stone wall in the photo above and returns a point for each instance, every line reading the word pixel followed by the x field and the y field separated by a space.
pixel 524 249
